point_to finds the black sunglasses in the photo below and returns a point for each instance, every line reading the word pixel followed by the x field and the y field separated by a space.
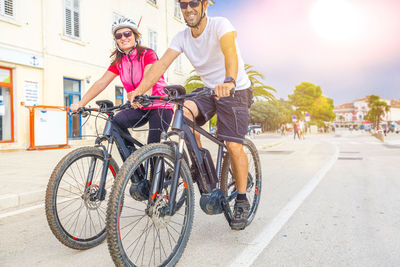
pixel 192 4
pixel 126 34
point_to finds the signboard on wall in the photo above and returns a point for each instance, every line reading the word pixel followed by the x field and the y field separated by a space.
pixel 50 127
pixel 31 90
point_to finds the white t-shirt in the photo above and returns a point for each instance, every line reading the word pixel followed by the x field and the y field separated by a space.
pixel 205 54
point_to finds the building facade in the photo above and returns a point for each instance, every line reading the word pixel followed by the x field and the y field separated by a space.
pixel 355 112
pixel 52 51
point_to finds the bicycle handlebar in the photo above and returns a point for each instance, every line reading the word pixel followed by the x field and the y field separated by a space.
pixel 84 111
pixel 146 100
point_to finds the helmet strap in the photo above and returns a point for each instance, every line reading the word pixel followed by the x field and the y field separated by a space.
pixel 122 51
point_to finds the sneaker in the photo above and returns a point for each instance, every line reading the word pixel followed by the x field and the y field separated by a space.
pixel 240 214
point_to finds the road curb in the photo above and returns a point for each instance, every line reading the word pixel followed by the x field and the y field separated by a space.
pixel 13 201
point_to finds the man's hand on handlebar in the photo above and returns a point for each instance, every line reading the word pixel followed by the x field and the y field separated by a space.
pixel 223 90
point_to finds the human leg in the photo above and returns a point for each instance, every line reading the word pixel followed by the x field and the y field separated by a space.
pixel 239 163
pixel 232 124
pixel 191 112
pixel 159 121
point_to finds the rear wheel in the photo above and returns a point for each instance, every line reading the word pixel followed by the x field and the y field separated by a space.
pixel 74 215
pixel 253 182
pixel 139 231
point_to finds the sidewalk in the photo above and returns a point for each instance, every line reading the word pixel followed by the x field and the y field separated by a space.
pixel 24 174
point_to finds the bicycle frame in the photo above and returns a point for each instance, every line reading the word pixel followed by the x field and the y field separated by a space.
pixel 181 128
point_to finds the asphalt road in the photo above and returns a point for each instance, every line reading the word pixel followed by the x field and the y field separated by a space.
pixel 328 200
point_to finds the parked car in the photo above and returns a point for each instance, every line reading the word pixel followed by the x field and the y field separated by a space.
pixel 256 129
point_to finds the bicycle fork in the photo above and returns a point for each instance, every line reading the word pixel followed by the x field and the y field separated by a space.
pixel 158 179
pixel 100 195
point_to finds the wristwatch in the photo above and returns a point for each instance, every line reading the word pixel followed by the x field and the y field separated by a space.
pixel 230 80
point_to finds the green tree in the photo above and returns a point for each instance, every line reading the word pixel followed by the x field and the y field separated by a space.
pixel 322 109
pixel 271 114
pixel 308 97
pixel 378 108
pixel 304 97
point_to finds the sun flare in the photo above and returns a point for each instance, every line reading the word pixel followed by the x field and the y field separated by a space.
pixel 337 20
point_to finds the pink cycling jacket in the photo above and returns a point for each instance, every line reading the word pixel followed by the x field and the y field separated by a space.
pixel 130 70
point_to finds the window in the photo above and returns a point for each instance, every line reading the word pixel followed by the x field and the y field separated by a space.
pixel 71 18
pixel 153 40
pixel 119 95
pixel 6 106
pixel 178 64
pixel 177 10
pixel 7 8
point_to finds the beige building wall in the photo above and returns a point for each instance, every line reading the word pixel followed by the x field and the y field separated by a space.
pixel 34 45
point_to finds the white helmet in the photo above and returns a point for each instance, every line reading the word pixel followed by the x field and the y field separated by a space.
pixel 123 23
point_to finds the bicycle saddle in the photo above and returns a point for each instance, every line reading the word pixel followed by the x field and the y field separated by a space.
pixel 105 103
pixel 175 90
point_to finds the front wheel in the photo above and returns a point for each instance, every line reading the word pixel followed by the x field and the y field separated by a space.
pixel 139 230
pixel 75 216
pixel 253 182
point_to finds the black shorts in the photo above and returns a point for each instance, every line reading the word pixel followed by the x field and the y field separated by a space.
pixel 232 114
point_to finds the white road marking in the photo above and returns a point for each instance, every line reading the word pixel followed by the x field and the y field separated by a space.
pixel 250 254
pixel 16 212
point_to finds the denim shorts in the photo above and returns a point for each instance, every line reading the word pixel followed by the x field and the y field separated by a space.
pixel 233 114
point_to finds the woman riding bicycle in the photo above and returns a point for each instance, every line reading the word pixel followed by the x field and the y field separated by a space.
pixel 131 61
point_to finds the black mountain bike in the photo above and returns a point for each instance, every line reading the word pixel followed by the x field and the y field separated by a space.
pixel 80 183
pixel 154 230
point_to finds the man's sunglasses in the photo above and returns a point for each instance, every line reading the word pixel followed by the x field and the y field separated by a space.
pixel 192 4
pixel 126 34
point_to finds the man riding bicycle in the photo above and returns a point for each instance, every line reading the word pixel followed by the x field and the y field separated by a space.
pixel 209 44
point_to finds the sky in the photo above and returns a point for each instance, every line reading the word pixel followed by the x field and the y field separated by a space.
pixel 351 48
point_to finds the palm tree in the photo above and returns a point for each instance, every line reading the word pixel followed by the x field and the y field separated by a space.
pixel 260 89
pixel 193 82
pixel 377 109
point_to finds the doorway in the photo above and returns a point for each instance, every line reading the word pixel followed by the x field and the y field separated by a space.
pixel 72 95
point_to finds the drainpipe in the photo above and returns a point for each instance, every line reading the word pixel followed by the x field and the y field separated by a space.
pixel 43 49
pixel 166 34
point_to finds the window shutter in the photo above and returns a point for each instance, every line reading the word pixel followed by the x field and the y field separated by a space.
pixel 76 24
pixel 76 19
pixel 72 25
pixel 68 17
pixel 9 8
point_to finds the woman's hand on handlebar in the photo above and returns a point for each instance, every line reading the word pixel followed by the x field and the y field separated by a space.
pixel 131 97
pixel 223 90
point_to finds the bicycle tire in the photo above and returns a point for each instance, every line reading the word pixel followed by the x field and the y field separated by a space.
pixel 119 236
pixel 69 178
pixel 254 181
